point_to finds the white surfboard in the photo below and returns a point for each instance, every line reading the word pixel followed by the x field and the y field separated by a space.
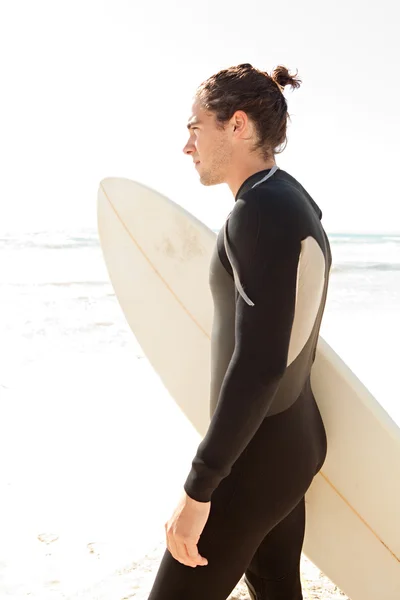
pixel 157 256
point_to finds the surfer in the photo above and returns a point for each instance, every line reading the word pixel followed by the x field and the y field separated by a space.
pixel 242 508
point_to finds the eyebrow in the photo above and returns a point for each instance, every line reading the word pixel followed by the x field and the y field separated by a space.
pixel 191 123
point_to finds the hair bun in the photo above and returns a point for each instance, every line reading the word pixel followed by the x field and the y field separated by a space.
pixel 282 77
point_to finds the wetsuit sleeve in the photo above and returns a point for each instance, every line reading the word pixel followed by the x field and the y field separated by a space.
pixel 265 247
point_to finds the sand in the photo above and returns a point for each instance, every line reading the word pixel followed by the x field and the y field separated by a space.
pixel 84 572
pixel 135 581
pixel 82 514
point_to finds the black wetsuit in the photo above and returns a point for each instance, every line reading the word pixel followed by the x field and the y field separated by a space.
pixel 266 441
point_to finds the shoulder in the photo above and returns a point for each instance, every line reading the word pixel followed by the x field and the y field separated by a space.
pixel 271 212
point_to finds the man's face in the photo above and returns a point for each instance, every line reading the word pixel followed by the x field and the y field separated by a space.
pixel 209 147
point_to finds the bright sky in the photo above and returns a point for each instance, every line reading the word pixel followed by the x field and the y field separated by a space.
pixel 94 88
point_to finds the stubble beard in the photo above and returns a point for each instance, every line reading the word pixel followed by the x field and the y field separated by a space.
pixel 219 164
pixel 210 178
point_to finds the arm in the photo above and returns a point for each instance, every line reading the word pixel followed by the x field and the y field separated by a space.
pixel 266 247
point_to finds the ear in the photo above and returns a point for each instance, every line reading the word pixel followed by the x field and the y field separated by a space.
pixel 240 123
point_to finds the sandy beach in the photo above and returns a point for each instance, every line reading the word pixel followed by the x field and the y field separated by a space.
pixel 54 572
pixel 94 451
pixel 82 513
pixel 135 578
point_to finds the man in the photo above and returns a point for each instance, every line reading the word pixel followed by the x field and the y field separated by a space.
pixel 242 509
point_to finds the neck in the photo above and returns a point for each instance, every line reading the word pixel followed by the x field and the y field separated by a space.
pixel 242 171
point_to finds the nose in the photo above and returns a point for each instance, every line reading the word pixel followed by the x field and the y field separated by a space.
pixel 189 147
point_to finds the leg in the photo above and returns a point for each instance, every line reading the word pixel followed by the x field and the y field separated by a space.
pixel 227 547
pixel 256 520
pixel 233 540
pixel 227 557
pixel 274 571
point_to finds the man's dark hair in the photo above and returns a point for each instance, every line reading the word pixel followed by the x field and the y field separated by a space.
pixel 258 94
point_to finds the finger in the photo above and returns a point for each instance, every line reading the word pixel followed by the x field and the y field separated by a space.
pixel 170 541
pixel 194 554
pixel 183 555
pixel 172 546
pixel 169 546
pixel 166 537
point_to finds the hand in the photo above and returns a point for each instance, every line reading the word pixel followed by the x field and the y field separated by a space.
pixel 184 528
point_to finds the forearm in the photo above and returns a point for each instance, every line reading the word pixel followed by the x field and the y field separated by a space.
pixel 244 400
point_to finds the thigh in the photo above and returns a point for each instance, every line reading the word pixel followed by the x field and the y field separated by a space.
pixel 234 541
pixel 274 571
pixel 228 553
pixel 236 528
pixel 265 485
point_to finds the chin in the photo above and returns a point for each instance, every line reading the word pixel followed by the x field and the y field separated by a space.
pixel 205 182
pixel 208 180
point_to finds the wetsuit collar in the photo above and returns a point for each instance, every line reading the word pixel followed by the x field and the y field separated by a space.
pixel 259 177
pixel 250 181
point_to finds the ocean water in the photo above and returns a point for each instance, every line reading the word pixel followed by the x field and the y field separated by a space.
pixel 56 298
pixel 362 316
pixel 93 448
